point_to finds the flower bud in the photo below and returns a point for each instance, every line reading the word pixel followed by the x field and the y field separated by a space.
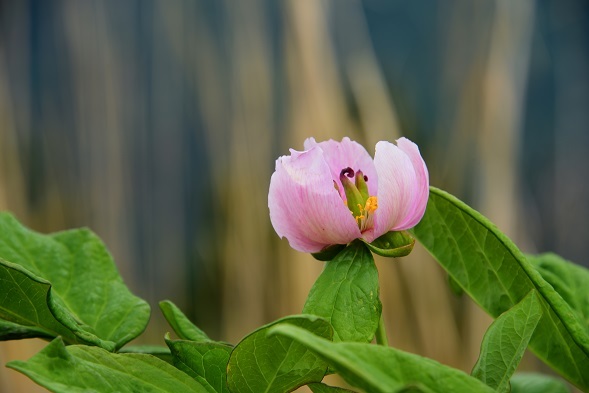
pixel 393 244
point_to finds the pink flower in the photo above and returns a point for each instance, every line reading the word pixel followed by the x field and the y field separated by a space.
pixel 334 192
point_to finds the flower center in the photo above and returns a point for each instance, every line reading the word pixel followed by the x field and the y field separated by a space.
pixel 358 200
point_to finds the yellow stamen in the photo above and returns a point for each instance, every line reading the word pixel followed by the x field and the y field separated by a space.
pixel 364 219
pixel 371 204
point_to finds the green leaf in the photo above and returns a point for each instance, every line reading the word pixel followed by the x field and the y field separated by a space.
pixel 81 369
pixel 537 383
pixel 392 244
pixel 14 331
pixel 347 295
pixel 323 388
pixel 506 341
pixel 415 388
pixel 494 272
pixel 158 351
pixel 26 301
pixel 455 287
pixel 276 364
pixel 182 326
pixel 206 362
pixel 376 368
pixel 66 284
pixel 569 280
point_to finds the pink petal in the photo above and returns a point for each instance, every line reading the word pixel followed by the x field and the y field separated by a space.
pixel 402 179
pixel 344 154
pixel 421 192
pixel 304 204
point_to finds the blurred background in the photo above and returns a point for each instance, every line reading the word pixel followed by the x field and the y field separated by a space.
pixel 157 123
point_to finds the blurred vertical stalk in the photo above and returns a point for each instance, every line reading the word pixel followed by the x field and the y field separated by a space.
pixel 316 94
pixel 504 83
pixel 103 168
pixel 377 114
pixel 247 268
pixel 571 136
pixel 317 108
pixel 13 197
pixel 12 188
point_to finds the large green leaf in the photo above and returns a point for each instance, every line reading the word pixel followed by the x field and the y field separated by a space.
pixel 506 341
pixel 25 302
pixel 537 383
pixel 182 326
pixel 570 280
pixel 65 284
pixel 277 364
pixel 347 294
pixel 376 368
pixel 82 369
pixel 494 272
pixel 204 361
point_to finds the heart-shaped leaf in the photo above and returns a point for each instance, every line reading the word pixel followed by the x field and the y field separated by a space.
pixel 347 294
pixel 260 363
pixel 65 284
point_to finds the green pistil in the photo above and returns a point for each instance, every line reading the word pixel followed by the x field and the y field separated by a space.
pixel 361 185
pixel 355 199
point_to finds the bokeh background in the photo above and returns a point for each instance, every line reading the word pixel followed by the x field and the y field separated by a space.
pixel 157 124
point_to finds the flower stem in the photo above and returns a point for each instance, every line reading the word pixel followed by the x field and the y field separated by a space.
pixel 381 333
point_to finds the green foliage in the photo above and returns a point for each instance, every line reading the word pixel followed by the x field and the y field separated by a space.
pixel 14 331
pixel 494 272
pixel 64 284
pixel 182 326
pixel 569 280
pixel 206 362
pixel 414 388
pixel 347 294
pixel 323 388
pixel 505 342
pixel 262 363
pixel 195 353
pixel 158 351
pixel 78 369
pixel 375 368
pixel 537 383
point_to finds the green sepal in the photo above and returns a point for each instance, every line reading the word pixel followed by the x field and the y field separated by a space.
pixel 392 244
pixel 328 253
